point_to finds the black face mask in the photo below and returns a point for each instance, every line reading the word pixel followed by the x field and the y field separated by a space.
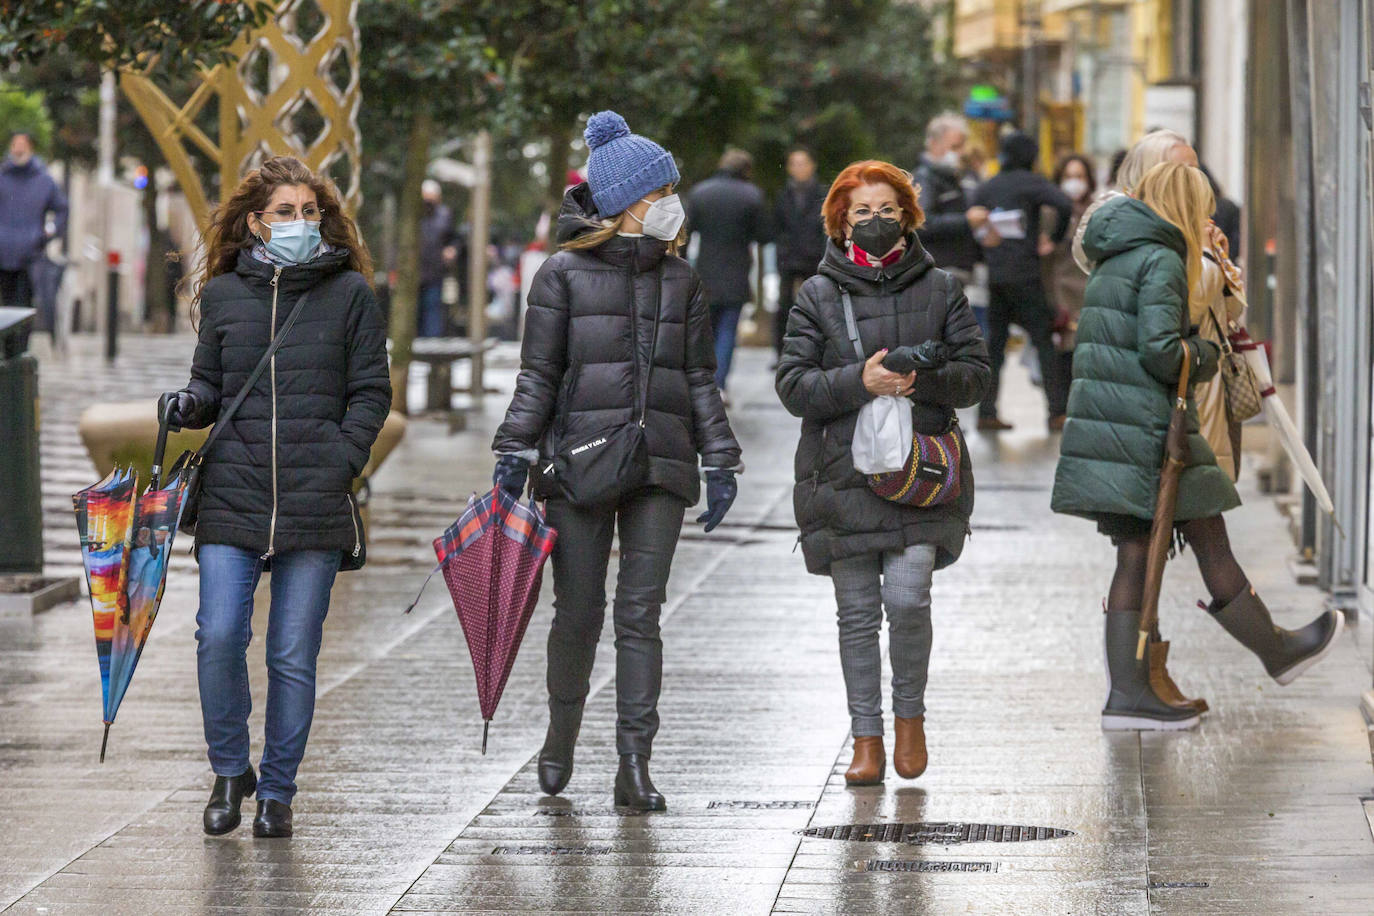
pixel 876 235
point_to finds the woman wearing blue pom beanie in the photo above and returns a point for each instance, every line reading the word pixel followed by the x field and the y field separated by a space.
pixel 617 404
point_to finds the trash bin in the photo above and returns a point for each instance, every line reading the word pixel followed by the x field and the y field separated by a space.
pixel 21 507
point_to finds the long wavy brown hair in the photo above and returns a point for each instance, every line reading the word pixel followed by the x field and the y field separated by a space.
pixel 229 232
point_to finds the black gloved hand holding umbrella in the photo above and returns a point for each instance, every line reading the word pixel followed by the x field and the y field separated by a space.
pixel 932 354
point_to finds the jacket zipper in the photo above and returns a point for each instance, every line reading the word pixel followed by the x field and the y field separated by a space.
pixel 634 330
pixel 272 371
pixel 353 517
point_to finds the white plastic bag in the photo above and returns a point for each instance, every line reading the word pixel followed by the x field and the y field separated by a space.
pixel 882 436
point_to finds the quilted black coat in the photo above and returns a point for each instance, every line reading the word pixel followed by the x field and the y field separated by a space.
pixel 585 360
pixel 820 379
pixel 279 478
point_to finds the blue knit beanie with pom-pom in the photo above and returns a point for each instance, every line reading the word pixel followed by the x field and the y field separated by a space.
pixel 623 167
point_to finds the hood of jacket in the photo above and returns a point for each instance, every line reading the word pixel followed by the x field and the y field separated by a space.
pixel 578 217
pixel 1123 223
pixel 295 279
pixel 873 281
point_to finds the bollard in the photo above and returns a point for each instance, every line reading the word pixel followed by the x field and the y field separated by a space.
pixel 21 513
pixel 112 309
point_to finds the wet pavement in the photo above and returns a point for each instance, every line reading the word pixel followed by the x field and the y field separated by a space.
pixel 1258 810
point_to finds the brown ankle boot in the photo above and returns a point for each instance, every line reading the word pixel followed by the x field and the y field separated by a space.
pixel 1163 685
pixel 870 762
pixel 909 747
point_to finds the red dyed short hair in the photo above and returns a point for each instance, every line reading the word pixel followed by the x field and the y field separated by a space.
pixel 871 171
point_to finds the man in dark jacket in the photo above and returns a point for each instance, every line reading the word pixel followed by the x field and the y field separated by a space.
pixel 948 232
pixel 437 254
pixel 27 195
pixel 1016 292
pixel 727 212
pixel 799 232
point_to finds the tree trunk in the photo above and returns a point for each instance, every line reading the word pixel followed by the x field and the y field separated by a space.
pixel 560 139
pixel 160 305
pixel 405 294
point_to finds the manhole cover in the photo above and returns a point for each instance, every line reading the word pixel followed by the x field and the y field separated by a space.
pixel 763 805
pixel 921 865
pixel 551 850
pixel 939 834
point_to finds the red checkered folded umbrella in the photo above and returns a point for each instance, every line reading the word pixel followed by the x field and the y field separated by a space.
pixel 493 560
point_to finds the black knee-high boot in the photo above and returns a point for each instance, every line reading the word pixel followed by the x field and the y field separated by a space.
pixel 1131 701
pixel 1285 653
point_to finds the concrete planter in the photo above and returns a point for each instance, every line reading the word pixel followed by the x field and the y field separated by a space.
pixel 24 596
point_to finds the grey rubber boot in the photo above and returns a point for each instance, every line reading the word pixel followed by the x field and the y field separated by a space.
pixel 1285 653
pixel 1131 702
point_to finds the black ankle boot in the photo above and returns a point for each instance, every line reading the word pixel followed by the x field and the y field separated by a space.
pixel 634 788
pixel 222 813
pixel 556 757
pixel 1285 653
pixel 1132 702
pixel 273 820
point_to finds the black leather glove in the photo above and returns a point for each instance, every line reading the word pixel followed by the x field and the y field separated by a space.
pixel 511 473
pixel 721 490
pixel 177 408
pixel 929 355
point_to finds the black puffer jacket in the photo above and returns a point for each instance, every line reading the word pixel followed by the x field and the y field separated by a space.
pixel 585 358
pixel 820 379
pixel 310 421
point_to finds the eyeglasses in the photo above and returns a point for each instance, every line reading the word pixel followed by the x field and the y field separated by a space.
pixel 286 212
pixel 861 213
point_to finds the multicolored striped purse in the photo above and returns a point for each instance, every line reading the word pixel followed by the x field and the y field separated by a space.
pixel 931 475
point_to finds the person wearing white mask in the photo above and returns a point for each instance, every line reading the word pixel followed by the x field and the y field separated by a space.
pixel 948 233
pixel 617 347
pixel 1064 282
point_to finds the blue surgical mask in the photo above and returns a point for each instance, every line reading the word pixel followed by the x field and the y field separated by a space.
pixel 294 242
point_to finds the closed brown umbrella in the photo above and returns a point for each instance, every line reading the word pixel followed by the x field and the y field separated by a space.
pixel 1162 529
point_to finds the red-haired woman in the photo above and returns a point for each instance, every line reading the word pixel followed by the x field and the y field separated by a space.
pixel 880 554
pixel 277 482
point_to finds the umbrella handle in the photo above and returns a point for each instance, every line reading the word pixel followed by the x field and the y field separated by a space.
pixel 159 450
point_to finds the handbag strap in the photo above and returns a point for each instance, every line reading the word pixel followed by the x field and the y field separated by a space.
pixel 253 376
pixel 851 326
pixel 653 341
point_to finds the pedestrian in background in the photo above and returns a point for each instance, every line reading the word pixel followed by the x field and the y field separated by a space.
pixel 1016 290
pixel 28 197
pixel 1064 281
pixel 1133 338
pixel 799 232
pixel 617 331
pixel 277 490
pixel 880 554
pixel 1227 215
pixel 727 213
pixel 950 222
pixel 438 251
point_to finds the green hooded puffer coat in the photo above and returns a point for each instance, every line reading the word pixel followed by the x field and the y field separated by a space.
pixel 1125 375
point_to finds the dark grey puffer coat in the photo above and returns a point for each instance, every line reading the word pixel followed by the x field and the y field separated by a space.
pixel 820 379
pixel 280 476
pixel 584 363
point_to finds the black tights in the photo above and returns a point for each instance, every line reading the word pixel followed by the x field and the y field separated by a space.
pixel 1207 536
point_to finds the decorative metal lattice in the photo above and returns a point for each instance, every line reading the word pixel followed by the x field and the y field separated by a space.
pixel 291 88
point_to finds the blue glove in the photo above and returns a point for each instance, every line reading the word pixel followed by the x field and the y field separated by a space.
pixel 511 473
pixel 721 490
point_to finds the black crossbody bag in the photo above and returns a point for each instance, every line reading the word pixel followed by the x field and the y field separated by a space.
pixel 190 462
pixel 597 470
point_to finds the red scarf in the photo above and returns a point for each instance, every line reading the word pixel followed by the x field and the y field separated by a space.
pixel 864 259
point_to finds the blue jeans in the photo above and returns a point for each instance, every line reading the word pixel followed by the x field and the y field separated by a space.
pixel 725 325
pixel 433 314
pixel 301 581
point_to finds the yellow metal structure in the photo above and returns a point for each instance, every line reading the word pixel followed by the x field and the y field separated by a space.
pixel 291 88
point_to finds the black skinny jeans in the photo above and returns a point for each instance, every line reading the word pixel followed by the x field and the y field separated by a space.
pixel 649 521
pixel 1023 304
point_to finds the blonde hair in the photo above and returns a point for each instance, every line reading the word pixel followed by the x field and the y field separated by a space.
pixel 602 234
pixel 1152 149
pixel 1182 196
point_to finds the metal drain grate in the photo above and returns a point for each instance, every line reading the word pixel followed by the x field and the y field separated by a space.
pixel 585 812
pixel 938 834
pixel 551 850
pixel 1163 885
pixel 764 805
pixel 921 865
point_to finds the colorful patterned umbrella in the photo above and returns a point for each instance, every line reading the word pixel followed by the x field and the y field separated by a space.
pixel 493 560
pixel 126 542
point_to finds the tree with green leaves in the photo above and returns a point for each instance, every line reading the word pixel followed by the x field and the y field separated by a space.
pixel 116 33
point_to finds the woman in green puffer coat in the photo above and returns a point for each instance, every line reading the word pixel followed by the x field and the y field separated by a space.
pixel 1133 336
